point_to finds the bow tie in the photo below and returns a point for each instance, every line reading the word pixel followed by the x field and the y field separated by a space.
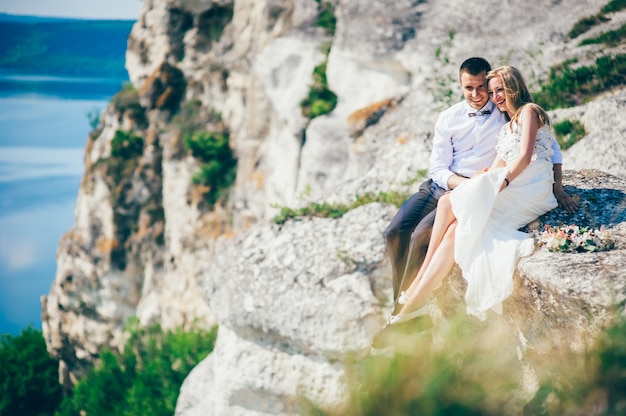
pixel 479 113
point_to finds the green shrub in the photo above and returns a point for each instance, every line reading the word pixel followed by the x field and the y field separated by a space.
pixel 614 6
pixel 218 168
pixel 326 17
pixel 567 86
pixel 29 378
pixel 610 38
pixel 586 23
pixel 126 145
pixel 326 210
pixel 569 132
pixel 145 379
pixel 320 100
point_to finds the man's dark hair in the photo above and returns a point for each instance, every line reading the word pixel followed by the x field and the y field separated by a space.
pixel 475 66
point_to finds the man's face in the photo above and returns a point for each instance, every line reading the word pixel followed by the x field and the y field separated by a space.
pixel 474 90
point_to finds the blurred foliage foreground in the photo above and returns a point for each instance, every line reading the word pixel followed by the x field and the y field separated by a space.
pixel 480 368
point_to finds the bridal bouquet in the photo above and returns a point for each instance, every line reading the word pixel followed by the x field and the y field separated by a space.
pixel 572 238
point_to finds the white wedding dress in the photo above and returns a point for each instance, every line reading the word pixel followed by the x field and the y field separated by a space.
pixel 487 241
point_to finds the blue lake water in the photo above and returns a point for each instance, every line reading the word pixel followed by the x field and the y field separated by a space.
pixel 43 131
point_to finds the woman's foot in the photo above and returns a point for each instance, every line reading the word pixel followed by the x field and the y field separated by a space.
pixel 399 318
pixel 403 298
pixel 398 326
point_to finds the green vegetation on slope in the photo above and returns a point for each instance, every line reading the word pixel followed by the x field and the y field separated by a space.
pixel 586 23
pixel 569 132
pixel 84 48
pixel 610 38
pixel 321 100
pixel 28 376
pixel 145 379
pixel 219 166
pixel 568 86
pixel 328 210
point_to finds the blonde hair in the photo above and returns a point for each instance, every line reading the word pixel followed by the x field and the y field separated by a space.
pixel 516 93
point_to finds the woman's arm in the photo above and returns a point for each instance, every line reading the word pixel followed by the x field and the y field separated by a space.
pixel 497 163
pixel 529 121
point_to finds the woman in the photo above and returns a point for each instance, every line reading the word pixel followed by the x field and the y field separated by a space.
pixel 477 223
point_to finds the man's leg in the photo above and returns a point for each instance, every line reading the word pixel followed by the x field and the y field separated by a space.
pixel 398 233
pixel 416 252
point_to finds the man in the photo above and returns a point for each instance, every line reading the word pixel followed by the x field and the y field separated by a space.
pixel 464 143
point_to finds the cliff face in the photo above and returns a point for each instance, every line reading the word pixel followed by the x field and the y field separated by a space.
pixel 292 300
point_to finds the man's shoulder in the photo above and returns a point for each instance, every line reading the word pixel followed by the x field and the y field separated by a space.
pixel 454 110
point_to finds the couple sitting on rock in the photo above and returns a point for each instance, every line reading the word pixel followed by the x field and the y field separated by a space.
pixel 495 167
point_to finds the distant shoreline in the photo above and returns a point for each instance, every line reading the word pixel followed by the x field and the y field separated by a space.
pixel 80 48
pixel 8 17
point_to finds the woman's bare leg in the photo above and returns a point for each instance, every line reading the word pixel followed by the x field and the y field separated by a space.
pixel 444 218
pixel 440 264
pixel 436 266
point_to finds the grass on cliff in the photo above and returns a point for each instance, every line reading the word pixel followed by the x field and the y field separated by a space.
pixel 569 132
pixel 610 38
pixel 568 86
pixel 320 99
pixel 338 210
pixel 218 164
pixel 586 23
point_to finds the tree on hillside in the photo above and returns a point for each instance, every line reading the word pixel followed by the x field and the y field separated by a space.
pixel 28 376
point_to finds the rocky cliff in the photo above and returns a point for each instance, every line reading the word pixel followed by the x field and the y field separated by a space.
pixel 293 300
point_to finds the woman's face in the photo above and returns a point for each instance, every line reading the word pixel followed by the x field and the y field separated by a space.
pixel 497 95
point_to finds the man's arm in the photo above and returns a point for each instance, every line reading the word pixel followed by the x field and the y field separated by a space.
pixel 565 201
pixel 455 180
pixel 441 157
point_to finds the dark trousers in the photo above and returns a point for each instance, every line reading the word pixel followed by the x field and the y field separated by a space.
pixel 408 234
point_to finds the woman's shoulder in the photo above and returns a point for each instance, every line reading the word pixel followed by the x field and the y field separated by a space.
pixel 530 112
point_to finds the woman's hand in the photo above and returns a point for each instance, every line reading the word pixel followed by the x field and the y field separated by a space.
pixel 480 172
pixel 567 202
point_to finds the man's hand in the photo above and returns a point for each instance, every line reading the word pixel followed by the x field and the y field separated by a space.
pixel 565 201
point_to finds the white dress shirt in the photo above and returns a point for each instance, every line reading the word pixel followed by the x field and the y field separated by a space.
pixel 463 145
